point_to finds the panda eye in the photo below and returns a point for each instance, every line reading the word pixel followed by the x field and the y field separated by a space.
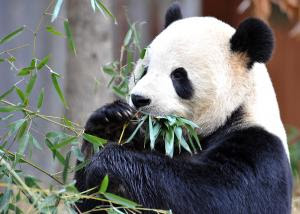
pixel 144 72
pixel 179 74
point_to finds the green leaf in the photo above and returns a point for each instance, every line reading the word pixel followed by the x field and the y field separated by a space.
pixel 23 141
pixel 51 29
pixel 55 153
pixel 127 37
pixel 30 84
pixel 119 92
pixel 114 210
pixel 40 98
pixel 120 200
pixel 102 7
pixel 34 142
pixel 25 71
pixel 136 129
pixel 11 35
pixel 16 125
pixel 171 120
pixel 181 140
pixel 104 184
pixel 66 167
pixel 33 63
pixel 94 139
pixel 143 53
pixel 169 142
pixel 58 90
pixel 2 60
pixel 56 9
pixel 192 124
pixel 78 154
pixel 20 94
pixel 70 40
pixel 31 181
pixel 43 62
pixel 153 132
pixel 109 69
pixel 65 142
pixel 10 108
pixel 5 94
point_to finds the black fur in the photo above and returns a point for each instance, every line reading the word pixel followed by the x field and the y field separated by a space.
pixel 240 170
pixel 254 38
pixel 182 85
pixel 173 14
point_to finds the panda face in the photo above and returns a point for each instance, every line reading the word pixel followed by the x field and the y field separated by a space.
pixel 202 69
pixel 186 70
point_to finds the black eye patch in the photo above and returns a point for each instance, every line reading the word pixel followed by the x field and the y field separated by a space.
pixel 181 83
pixel 144 72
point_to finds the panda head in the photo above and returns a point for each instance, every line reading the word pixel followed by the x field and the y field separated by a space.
pixel 203 69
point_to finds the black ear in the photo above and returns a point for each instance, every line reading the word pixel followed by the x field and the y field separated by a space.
pixel 254 38
pixel 173 14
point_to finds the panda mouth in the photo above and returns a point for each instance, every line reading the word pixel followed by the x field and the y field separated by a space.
pixel 151 111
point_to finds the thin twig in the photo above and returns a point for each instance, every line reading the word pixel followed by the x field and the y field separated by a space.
pixel 16 48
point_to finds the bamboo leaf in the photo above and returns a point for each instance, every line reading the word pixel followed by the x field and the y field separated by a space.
pixel 65 142
pixel 78 154
pixel 10 108
pixel 169 142
pixel 143 53
pixel 34 142
pixel 23 137
pixel 11 35
pixel 181 140
pixel 120 200
pixel 58 89
pixel 43 62
pixel 20 94
pixel 66 167
pixel 102 7
pixel 25 71
pixel 40 98
pixel 13 127
pixel 154 132
pixel 94 139
pixel 104 184
pixel 70 39
pixel 136 129
pixel 51 29
pixel 30 84
pixel 56 9
pixel 55 153
pixel 127 37
pixel 192 124
pixel 5 94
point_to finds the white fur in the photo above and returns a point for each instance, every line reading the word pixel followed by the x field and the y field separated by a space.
pixel 221 81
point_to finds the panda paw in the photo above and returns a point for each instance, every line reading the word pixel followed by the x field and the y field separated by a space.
pixel 109 117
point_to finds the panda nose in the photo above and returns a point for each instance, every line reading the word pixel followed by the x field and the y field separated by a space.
pixel 139 101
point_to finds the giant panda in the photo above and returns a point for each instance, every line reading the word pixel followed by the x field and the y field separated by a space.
pixel 204 70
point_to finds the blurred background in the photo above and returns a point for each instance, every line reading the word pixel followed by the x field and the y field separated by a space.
pixel 98 41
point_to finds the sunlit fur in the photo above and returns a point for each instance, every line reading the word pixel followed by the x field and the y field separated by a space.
pixel 220 78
